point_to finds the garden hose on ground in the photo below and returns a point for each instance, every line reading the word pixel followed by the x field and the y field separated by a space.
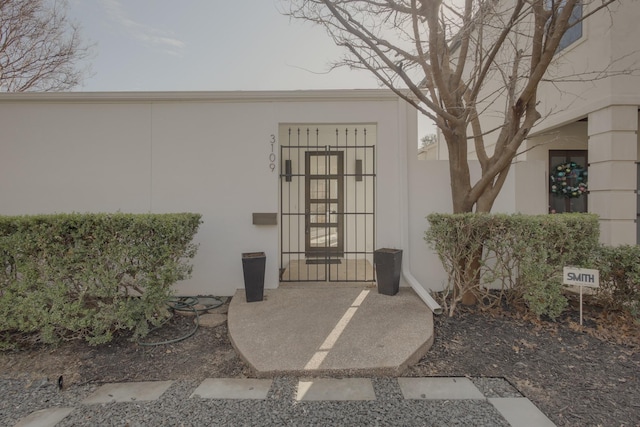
pixel 187 304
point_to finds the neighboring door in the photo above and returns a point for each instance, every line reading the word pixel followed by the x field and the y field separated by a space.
pixel 324 204
pixel 568 181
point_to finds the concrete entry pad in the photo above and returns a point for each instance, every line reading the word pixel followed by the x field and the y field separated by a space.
pixel 439 388
pixel 312 330
pixel 335 389
pixel 44 417
pixel 520 412
pixel 128 392
pixel 233 388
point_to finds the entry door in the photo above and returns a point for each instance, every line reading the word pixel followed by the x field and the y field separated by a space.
pixel 324 205
pixel 559 203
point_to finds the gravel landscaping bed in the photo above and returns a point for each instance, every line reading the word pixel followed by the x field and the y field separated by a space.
pixel 176 407
pixel 578 376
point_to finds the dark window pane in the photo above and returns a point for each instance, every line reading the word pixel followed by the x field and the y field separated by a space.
pixel 575 32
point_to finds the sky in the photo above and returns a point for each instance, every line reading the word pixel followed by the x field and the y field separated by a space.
pixel 207 45
pixel 202 45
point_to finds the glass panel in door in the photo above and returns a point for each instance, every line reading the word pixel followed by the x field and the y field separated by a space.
pixel 324 204
pixel 568 181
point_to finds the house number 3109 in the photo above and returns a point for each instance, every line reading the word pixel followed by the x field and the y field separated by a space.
pixel 272 154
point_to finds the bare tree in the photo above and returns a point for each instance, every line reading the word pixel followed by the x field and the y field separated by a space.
pixel 40 49
pixel 452 60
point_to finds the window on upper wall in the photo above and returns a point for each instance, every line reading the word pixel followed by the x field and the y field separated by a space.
pixel 574 32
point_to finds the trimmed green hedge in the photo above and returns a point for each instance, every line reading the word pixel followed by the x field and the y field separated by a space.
pixel 86 276
pixel 619 278
pixel 520 255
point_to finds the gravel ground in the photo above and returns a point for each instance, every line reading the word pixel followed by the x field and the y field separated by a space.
pixel 577 376
pixel 175 407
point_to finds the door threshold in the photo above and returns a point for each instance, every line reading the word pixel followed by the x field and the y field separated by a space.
pixel 326 285
pixel 323 261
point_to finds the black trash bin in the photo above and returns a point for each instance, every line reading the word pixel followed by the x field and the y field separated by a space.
pixel 253 266
pixel 388 264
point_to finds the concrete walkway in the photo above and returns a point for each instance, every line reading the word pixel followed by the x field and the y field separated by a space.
pixel 330 330
pixel 362 339
pixel 361 401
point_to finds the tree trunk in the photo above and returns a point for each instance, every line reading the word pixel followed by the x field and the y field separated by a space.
pixel 469 297
pixel 459 172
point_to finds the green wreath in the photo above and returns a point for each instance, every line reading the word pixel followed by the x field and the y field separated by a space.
pixel 568 180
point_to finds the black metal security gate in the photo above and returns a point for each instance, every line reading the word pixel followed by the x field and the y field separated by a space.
pixel 327 204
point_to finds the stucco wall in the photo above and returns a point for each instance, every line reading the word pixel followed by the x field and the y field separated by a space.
pixel 595 71
pixel 74 158
pixel 570 137
pixel 430 191
pixel 210 153
pixel 205 153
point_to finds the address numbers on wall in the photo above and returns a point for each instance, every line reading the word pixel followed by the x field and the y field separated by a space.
pixel 272 154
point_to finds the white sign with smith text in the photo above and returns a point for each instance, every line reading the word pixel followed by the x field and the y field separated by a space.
pixel 581 277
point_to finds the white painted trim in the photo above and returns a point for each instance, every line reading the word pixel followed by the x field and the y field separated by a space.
pixel 572 114
pixel 203 96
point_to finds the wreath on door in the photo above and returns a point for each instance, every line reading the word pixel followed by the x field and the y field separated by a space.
pixel 568 180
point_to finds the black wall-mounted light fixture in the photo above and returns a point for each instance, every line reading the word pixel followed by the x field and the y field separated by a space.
pixel 358 170
pixel 287 170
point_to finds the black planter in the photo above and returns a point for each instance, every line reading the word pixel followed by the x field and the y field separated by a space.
pixel 388 264
pixel 253 265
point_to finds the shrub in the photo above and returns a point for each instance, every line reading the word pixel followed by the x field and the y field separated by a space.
pixel 559 241
pixel 457 239
pixel 86 276
pixel 519 256
pixel 619 278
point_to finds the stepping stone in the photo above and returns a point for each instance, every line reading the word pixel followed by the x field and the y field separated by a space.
pixel 44 417
pixel 439 389
pixel 128 392
pixel 211 320
pixel 233 388
pixel 520 412
pixel 189 312
pixel 223 309
pixel 335 389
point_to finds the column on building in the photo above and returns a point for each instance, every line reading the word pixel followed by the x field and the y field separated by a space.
pixel 613 152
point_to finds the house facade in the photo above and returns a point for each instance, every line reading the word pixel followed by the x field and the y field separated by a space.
pixel 591 120
pixel 588 136
pixel 317 180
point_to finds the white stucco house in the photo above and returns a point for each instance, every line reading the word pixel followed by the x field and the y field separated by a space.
pixel 320 179
pixel 590 106
pixel 315 179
